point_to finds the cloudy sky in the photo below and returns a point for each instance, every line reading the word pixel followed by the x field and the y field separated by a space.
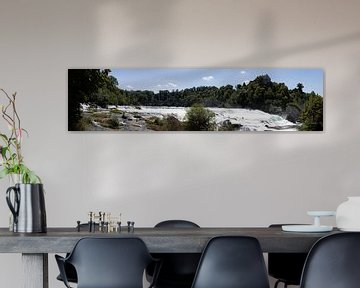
pixel 156 79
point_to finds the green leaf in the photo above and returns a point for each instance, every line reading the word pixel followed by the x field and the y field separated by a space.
pixel 3 151
pixel 3 173
pixel 26 132
pixel 27 175
pixel 33 178
pixel 4 137
pixel 13 156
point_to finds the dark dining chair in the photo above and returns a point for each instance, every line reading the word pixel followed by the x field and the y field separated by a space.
pixel 333 262
pixel 178 269
pixel 70 271
pixel 108 263
pixel 286 267
pixel 232 262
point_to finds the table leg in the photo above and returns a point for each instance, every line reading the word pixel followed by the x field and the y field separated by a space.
pixel 35 270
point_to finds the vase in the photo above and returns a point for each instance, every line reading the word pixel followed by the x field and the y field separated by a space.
pixel 13 179
pixel 348 214
pixel 27 205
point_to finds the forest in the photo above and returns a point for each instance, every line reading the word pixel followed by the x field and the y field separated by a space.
pixel 97 87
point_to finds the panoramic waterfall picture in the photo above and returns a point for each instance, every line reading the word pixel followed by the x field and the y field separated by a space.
pixel 195 99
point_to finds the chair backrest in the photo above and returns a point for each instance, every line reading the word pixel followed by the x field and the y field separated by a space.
pixel 286 267
pixel 232 262
pixel 110 262
pixel 176 224
pixel 178 269
pixel 333 262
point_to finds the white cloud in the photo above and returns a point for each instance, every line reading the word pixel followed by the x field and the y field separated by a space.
pixel 168 86
pixel 243 72
pixel 173 85
pixel 246 82
pixel 208 78
pixel 129 87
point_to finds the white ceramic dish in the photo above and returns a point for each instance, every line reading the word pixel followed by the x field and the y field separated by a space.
pixel 306 228
pixel 350 229
pixel 321 213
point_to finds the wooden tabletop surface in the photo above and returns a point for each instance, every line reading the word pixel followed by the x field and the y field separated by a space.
pixel 158 240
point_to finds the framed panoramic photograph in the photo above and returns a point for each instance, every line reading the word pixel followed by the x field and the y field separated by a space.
pixel 195 99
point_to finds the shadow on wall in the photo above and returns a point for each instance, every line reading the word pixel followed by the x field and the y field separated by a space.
pixel 143 30
pixel 146 35
pixel 267 54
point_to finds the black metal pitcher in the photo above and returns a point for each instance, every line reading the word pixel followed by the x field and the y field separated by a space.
pixel 28 208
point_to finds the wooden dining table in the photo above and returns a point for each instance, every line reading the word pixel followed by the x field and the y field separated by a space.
pixel 35 247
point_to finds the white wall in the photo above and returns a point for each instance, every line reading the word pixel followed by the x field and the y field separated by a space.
pixel 224 179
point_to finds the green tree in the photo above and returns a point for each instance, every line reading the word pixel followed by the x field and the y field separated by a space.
pixel 81 84
pixel 312 115
pixel 200 119
pixel 300 87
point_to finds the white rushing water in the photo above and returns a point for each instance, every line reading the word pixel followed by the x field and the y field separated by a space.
pixel 250 120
